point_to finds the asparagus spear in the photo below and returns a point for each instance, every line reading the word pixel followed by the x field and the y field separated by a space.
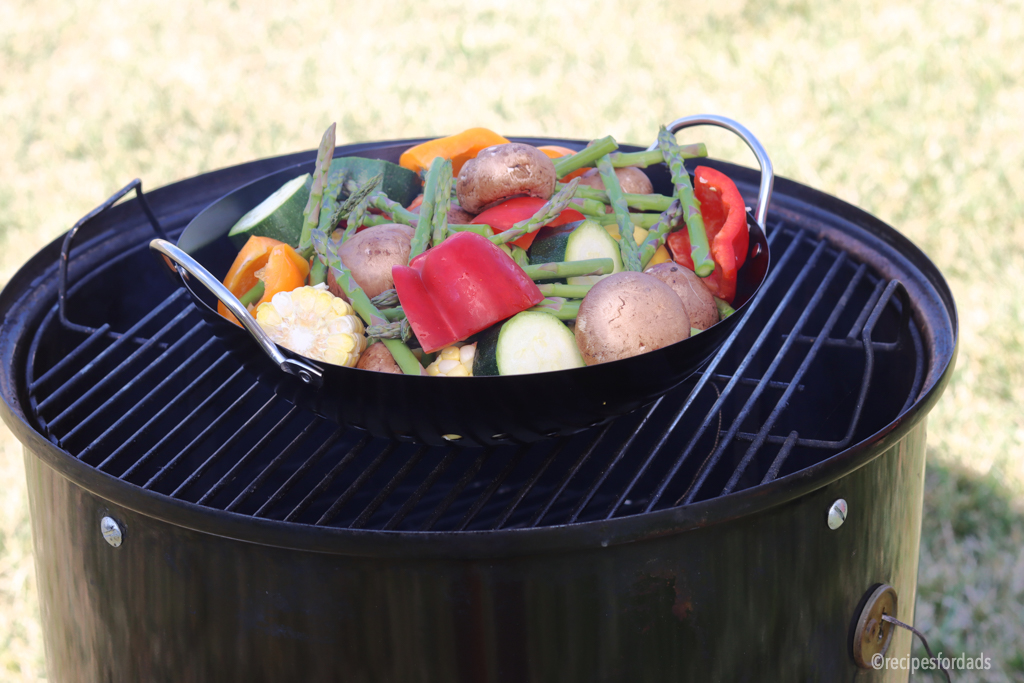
pixel 393 314
pixel 643 202
pixel 659 231
pixel 566 291
pixel 399 329
pixel 649 158
pixel 563 269
pixel 545 214
pixel 311 214
pixel 327 250
pixel 254 294
pixel 354 208
pixel 398 213
pixel 481 229
pixel 421 240
pixel 585 157
pixel 559 307
pixel 640 220
pixel 627 243
pixel 442 203
pixel 699 248
pixel 386 299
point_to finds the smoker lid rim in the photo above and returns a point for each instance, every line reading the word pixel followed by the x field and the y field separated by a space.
pixel 504 542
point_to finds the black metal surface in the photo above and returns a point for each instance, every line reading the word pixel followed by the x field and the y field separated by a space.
pixel 294 549
pixel 486 410
pixel 766 597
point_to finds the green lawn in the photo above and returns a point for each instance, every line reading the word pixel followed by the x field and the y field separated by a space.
pixel 913 111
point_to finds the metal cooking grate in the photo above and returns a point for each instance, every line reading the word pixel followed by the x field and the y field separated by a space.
pixel 163 407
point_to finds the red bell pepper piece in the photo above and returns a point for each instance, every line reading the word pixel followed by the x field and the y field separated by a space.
pixel 511 211
pixel 462 286
pixel 725 220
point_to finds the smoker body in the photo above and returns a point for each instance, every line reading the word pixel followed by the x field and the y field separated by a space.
pixel 627 566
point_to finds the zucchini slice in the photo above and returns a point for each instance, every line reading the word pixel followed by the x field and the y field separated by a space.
pixel 279 216
pixel 590 240
pixel 531 341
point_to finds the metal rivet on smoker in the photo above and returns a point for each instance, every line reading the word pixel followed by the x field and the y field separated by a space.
pixel 837 514
pixel 111 531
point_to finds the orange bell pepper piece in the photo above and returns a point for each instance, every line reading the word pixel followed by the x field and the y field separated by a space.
pixel 266 259
pixel 459 148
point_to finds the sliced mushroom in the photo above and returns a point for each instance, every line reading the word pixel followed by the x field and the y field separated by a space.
pixel 631 179
pixel 504 171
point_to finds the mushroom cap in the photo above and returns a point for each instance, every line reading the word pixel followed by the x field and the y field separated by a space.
pixel 626 314
pixel 697 298
pixel 631 180
pixel 369 255
pixel 503 171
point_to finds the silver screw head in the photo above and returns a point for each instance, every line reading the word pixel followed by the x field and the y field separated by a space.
pixel 837 514
pixel 111 531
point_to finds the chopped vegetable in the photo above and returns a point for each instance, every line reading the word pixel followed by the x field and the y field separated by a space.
pixel 511 211
pixel 459 148
pixel 725 219
pixel 460 287
pixel 627 314
pixel 249 270
pixel 279 216
pixel 699 239
pixel 314 323
pixel 531 341
pixel 453 361
pixel 504 171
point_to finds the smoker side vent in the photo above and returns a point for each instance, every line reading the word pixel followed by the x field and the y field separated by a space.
pixel 163 407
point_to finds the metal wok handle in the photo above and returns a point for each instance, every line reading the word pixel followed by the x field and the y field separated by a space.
pixel 764 192
pixel 307 372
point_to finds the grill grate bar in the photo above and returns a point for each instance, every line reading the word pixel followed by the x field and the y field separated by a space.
pixel 387 490
pixel 202 436
pixel 129 415
pixel 456 490
pixel 108 352
pixel 709 464
pixel 172 404
pixel 619 454
pixel 495 484
pixel 232 473
pixel 354 487
pixel 98 335
pixel 121 369
pixel 422 489
pixel 528 486
pixel 853 336
pixel 272 466
pixel 812 354
pixel 573 471
pixel 131 384
pixel 750 381
pixel 780 458
pixel 326 481
pixel 289 484
pixel 257 418
pixel 773 275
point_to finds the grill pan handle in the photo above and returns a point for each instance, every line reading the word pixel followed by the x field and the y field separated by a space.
pixel 307 372
pixel 764 192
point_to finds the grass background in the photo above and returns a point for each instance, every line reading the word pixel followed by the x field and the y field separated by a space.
pixel 913 111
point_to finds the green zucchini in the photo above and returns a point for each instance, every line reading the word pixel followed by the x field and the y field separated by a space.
pixel 590 240
pixel 531 341
pixel 279 216
pixel 549 244
pixel 399 184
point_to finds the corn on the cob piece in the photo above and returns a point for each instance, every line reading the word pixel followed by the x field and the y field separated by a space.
pixel 453 361
pixel 314 323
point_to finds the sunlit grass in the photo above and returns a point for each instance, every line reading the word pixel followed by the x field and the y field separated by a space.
pixel 911 111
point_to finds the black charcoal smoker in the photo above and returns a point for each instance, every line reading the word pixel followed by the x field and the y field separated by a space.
pixel 753 524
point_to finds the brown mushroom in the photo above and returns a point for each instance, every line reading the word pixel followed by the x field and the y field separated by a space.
pixel 697 298
pixel 631 179
pixel 627 314
pixel 504 171
pixel 369 255
pixel 379 359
